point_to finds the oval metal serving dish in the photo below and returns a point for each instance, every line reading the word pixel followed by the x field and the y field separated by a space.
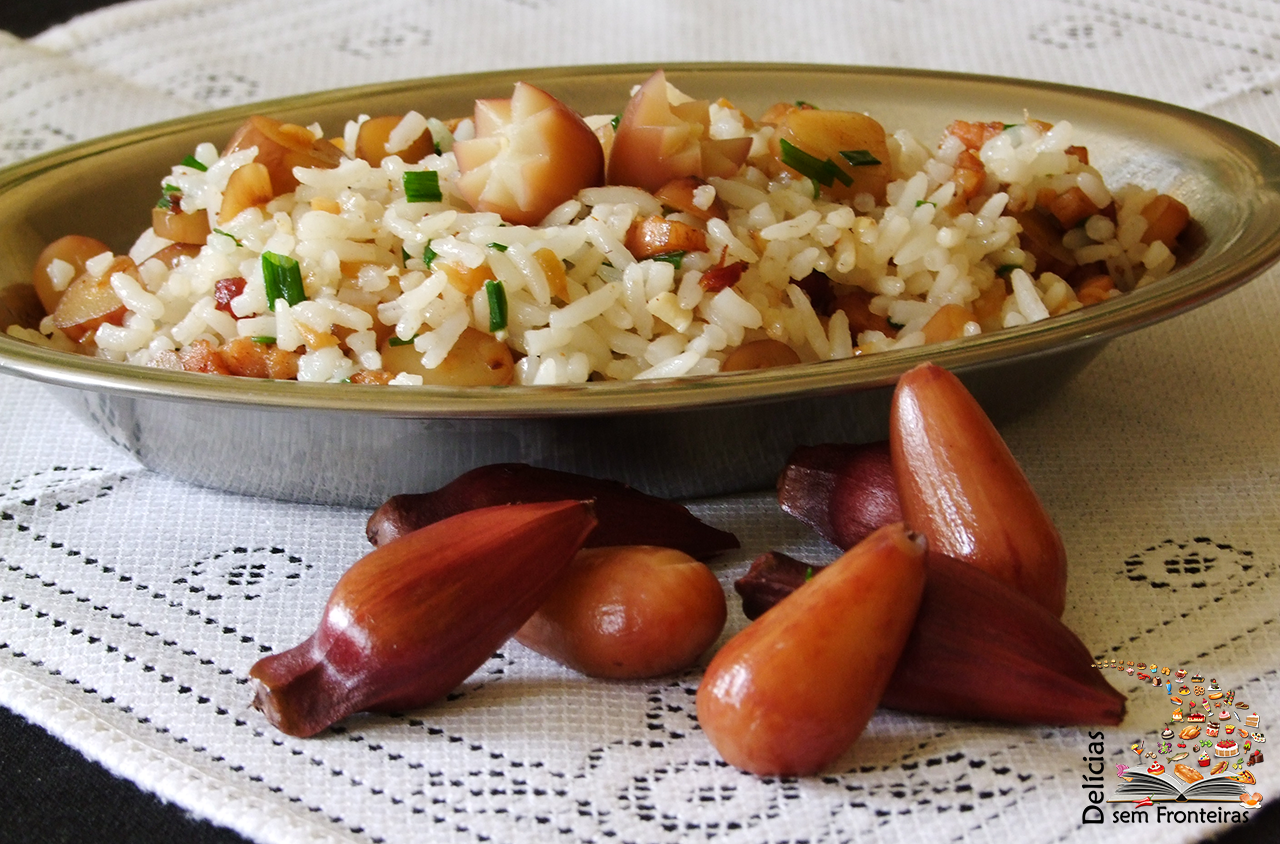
pixel 335 443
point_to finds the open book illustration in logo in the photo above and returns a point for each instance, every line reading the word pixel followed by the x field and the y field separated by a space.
pixel 1208 750
pixel 1186 784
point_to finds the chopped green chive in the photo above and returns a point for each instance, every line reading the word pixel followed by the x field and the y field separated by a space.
pixel 194 163
pixel 617 118
pixel 228 234
pixel 422 186
pixel 808 574
pixel 805 104
pixel 264 339
pixel 672 258
pixel 396 341
pixel 428 255
pixel 1007 126
pixel 859 157
pixel 282 277
pixel 501 247
pixel 497 305
pixel 823 171
pixel 1005 269
pixel 167 193
pixel 920 202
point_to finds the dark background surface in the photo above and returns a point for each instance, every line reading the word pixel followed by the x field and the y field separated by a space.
pixel 26 18
pixel 50 793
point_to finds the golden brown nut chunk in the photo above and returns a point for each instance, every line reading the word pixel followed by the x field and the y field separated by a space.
pixel 1072 207
pixel 849 148
pixel 249 187
pixel 1097 289
pixel 181 226
pixel 1166 218
pixel 373 376
pixel 857 307
pixel 760 354
pixel 476 360
pixel 251 359
pixel 947 323
pixel 73 249
pixel 90 301
pixel 201 356
pixel 658 236
pixel 282 147
pixel 679 194
pixel 371 142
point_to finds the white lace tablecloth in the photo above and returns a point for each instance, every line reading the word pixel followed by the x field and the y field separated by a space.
pixel 132 605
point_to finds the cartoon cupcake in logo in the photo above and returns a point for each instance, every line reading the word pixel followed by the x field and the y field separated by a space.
pixel 1208 750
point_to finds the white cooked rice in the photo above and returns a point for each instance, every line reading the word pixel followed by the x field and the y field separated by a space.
pixel 611 315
